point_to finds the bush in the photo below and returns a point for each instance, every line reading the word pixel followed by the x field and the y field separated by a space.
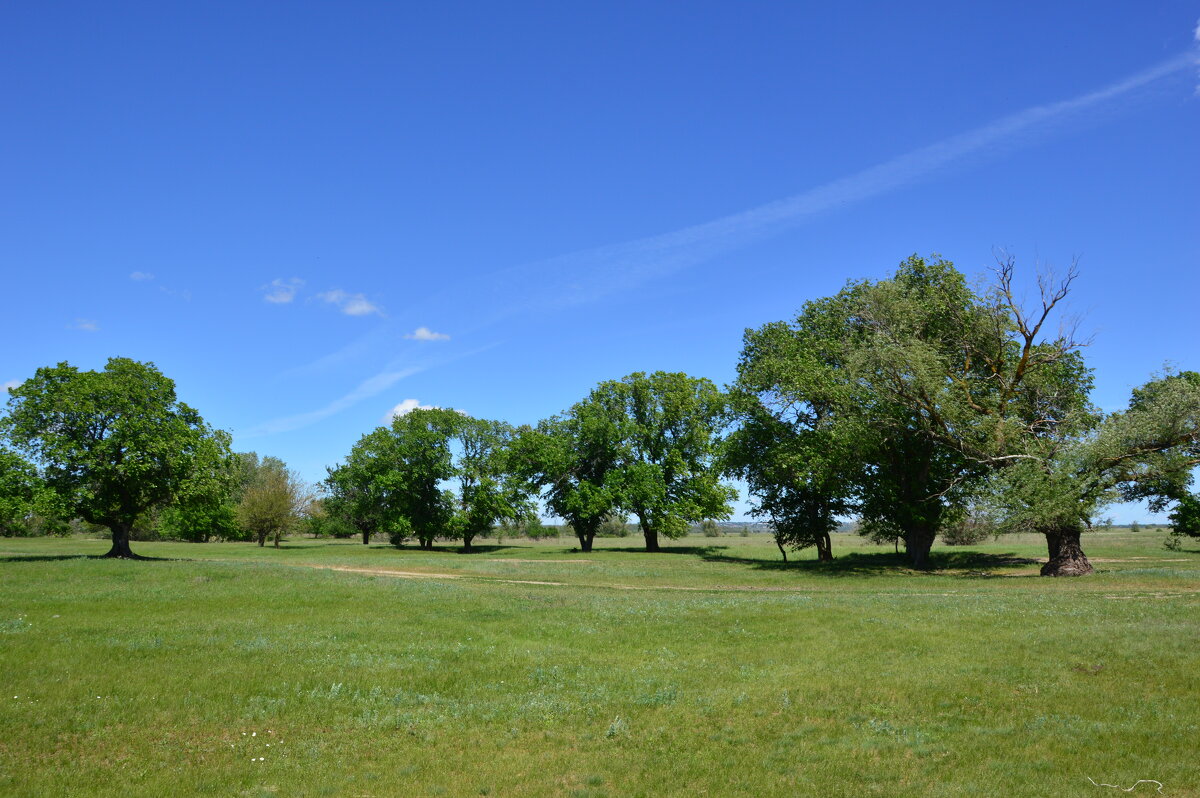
pixel 401 531
pixel 968 532
pixel 710 529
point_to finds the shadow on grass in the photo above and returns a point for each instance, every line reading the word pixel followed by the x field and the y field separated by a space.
pixel 450 548
pixel 876 563
pixel 61 557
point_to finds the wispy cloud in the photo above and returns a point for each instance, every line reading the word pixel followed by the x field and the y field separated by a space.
pixel 426 334
pixel 588 276
pixel 404 408
pixel 12 384
pixel 391 374
pixel 364 390
pixel 280 291
pixel 140 276
pixel 350 304
pixel 593 274
pixel 86 325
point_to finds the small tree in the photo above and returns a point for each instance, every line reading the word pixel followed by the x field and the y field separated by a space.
pixel 273 502
pixel 113 444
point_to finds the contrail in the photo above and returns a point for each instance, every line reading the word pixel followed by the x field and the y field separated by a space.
pixel 586 276
pixel 595 273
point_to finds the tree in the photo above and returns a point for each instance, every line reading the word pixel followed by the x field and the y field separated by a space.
pixel 417 460
pixel 112 444
pixel 827 421
pixel 20 489
pixel 1002 407
pixel 1185 518
pixel 488 490
pixel 275 500
pixel 575 459
pixel 362 489
pixel 206 504
pixel 784 447
pixel 670 476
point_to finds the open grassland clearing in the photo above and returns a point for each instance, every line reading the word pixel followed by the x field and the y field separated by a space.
pixel 233 670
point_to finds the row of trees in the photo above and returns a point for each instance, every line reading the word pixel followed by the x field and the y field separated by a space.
pixel 646 445
pixel 916 403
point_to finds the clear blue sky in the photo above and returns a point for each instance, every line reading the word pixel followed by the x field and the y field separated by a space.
pixel 562 193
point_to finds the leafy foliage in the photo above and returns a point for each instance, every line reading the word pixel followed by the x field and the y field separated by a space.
pixel 113 444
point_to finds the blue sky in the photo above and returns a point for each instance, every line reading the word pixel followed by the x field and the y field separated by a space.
pixel 310 213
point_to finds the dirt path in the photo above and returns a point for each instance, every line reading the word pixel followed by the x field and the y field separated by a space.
pixel 1134 594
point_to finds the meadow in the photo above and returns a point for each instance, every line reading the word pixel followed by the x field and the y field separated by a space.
pixel 327 668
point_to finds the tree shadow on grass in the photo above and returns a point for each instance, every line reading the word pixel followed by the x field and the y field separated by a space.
pixel 61 557
pixel 451 548
pixel 876 563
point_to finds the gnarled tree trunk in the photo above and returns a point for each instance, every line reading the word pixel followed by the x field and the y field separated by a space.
pixel 585 540
pixel 1066 553
pixel 120 543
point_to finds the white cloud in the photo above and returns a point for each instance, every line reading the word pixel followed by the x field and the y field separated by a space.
pixel 280 292
pixel 404 408
pixel 426 334
pixel 87 325
pixel 350 304
pixel 12 384
pixel 139 276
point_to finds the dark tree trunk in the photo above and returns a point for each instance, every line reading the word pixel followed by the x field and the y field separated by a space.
pixel 467 542
pixel 120 543
pixel 782 550
pixel 917 543
pixel 585 540
pixel 824 548
pixel 651 536
pixel 366 537
pixel 1066 554
pixel 262 538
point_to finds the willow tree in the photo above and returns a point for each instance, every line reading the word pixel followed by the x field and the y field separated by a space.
pixel 112 444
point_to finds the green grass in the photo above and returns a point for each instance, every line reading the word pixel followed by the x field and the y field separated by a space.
pixel 862 678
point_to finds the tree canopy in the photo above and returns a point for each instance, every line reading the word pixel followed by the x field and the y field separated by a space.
pixel 112 444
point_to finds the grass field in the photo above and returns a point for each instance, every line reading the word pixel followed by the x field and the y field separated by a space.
pixel 330 668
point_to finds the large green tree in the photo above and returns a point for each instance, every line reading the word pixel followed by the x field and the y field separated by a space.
pixel 112 444
pixel 363 489
pixel 827 421
pixel 575 459
pixel 670 424
pixel 490 490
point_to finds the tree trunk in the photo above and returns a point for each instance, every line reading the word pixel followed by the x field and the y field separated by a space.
pixel 366 537
pixel 1066 554
pixel 917 543
pixel 824 548
pixel 585 540
pixel 120 543
pixel 262 539
pixel 651 536
pixel 467 542
pixel 782 550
